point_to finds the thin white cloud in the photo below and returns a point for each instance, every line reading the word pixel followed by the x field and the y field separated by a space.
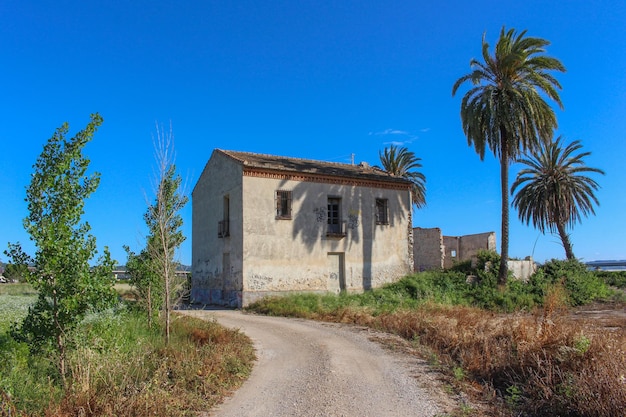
pixel 390 132
pixel 395 143
pixel 396 137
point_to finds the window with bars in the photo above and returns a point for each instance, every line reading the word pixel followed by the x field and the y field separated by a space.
pixel 382 211
pixel 283 204
pixel 334 217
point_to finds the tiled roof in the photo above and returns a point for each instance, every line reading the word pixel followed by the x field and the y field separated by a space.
pixel 307 166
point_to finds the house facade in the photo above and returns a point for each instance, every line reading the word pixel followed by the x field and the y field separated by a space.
pixel 268 225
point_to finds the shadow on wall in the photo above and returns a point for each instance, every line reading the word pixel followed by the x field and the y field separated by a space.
pixel 352 223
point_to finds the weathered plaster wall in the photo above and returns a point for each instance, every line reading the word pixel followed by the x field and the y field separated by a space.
pixel 522 269
pixel 212 280
pixel 451 252
pixel 466 247
pixel 293 255
pixel 428 248
pixel 470 245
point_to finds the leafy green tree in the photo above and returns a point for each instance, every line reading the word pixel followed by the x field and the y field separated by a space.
pixel 403 163
pixel 147 283
pixel 164 223
pixel 554 190
pixel 68 288
pixel 505 110
pixel 18 270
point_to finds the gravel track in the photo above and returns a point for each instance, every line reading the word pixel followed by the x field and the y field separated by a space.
pixel 307 368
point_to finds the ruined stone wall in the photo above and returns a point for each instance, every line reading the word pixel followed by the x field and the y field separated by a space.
pixel 470 245
pixel 434 251
pixel 451 251
pixel 522 269
pixel 428 248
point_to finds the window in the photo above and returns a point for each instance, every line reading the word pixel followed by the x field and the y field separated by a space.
pixel 382 211
pixel 283 204
pixel 334 217
pixel 223 226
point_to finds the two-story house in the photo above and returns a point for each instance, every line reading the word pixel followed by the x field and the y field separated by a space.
pixel 266 225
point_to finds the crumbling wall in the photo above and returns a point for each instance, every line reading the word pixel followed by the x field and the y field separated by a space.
pixel 432 250
pixel 522 269
pixel 470 245
pixel 451 251
pixel 428 249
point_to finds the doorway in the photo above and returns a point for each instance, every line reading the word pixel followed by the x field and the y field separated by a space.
pixel 336 272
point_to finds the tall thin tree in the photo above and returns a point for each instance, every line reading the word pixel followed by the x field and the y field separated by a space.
pixel 554 190
pixel 505 110
pixel 68 287
pixel 403 163
pixel 164 220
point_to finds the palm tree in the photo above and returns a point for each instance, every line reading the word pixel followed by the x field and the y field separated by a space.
pixel 555 191
pixel 505 110
pixel 402 163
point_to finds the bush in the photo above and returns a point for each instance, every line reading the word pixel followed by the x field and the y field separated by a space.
pixel 583 286
pixel 121 366
pixel 612 278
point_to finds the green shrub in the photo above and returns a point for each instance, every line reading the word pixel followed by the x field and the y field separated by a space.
pixel 612 278
pixel 583 286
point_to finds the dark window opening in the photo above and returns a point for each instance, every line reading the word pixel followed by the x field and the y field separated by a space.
pixel 335 224
pixel 382 211
pixel 223 226
pixel 283 204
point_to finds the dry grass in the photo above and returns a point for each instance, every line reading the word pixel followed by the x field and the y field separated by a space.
pixel 523 364
pixel 202 364
pixel 543 364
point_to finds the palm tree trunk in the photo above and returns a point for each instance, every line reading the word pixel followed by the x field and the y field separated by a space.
pixel 504 183
pixel 567 245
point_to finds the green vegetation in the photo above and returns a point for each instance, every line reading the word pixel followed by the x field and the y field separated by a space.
pixel 153 270
pixel 67 345
pixel 403 163
pixel 554 191
pixel 505 110
pixel 68 288
pixel 202 363
pixel 613 278
pixel 536 359
pixel 14 302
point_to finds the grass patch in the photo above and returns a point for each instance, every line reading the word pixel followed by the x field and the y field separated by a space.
pixel 14 302
pixel 120 366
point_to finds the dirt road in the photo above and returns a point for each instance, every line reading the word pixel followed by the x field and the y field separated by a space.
pixel 307 368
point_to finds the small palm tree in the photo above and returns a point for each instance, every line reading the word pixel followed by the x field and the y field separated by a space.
pixel 402 163
pixel 505 111
pixel 554 190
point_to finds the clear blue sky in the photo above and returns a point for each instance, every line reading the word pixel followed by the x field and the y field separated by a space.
pixel 310 79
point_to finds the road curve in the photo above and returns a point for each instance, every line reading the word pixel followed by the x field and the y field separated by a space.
pixel 307 368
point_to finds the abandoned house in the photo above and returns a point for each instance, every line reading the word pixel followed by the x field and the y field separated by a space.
pixel 266 225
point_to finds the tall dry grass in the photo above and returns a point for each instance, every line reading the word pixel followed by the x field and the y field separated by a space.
pixel 543 363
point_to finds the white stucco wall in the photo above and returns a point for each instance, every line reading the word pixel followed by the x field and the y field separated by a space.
pixel 210 282
pixel 293 255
